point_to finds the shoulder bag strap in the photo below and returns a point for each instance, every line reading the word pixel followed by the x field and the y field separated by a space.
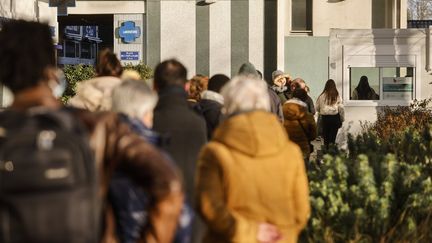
pixel 304 130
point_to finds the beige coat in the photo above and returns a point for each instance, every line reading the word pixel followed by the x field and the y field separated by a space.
pixel 95 94
pixel 251 173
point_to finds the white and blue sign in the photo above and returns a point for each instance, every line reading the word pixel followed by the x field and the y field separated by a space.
pixel 128 32
pixel 90 31
pixel 129 55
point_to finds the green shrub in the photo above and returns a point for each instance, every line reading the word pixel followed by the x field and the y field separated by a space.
pixel 380 190
pixel 73 75
pixel 363 200
pixel 144 70
pixel 77 73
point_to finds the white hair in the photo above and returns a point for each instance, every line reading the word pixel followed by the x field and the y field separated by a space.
pixel 245 93
pixel 133 98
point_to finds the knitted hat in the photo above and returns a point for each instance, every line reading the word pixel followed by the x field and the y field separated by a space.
pixel 277 73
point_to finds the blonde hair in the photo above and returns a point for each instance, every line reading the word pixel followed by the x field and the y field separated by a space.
pixel 197 85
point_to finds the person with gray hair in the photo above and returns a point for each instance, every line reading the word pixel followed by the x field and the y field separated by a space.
pixel 245 93
pixel 251 180
pixel 135 101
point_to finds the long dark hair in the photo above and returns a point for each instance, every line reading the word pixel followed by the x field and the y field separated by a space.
pixel 108 64
pixel 363 89
pixel 331 92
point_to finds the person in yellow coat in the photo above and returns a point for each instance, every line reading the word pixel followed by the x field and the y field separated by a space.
pixel 251 181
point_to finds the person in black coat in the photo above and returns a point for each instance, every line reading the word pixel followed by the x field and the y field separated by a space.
pixel 173 117
pixel 211 103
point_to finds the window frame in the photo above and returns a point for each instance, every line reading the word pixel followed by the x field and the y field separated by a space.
pixel 381 99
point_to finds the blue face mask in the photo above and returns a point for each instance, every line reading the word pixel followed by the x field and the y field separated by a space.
pixel 59 88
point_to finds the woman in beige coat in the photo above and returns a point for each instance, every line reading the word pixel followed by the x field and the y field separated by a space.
pixel 251 182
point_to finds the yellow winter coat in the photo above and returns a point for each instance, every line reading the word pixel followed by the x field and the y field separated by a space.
pixel 248 174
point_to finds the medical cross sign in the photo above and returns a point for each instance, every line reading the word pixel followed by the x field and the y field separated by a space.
pixel 128 32
pixel 62 6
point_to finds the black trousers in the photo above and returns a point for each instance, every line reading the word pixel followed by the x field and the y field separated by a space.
pixel 331 124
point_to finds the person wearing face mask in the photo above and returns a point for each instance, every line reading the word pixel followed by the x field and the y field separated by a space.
pixel 57 175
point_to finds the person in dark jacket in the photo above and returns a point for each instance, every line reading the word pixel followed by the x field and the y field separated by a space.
pixel 248 69
pixel 113 145
pixel 363 91
pixel 299 123
pixel 186 130
pixel 300 83
pixel 211 102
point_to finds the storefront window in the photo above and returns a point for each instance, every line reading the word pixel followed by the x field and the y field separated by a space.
pixel 373 83
pixel 86 50
pixel 70 49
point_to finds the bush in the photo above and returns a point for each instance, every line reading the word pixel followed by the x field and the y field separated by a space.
pixel 365 200
pixel 395 119
pixel 144 70
pixel 77 73
pixel 380 190
pixel 73 75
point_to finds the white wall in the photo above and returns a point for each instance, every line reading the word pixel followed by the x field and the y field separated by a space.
pixel 178 33
pixel 108 7
pixel 351 14
pixel 385 42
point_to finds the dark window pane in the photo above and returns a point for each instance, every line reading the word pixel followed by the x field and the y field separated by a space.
pixel 301 15
pixel 85 50
pixel 70 49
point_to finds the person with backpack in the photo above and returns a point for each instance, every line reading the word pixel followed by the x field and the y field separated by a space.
pixel 56 163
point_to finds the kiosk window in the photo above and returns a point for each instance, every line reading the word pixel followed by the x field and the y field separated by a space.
pixel 374 83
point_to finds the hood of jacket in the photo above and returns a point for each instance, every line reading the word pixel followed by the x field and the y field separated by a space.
pixel 248 69
pixel 255 133
pixel 211 95
pixel 95 94
pixel 294 109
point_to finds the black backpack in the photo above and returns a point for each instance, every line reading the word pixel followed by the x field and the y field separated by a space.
pixel 48 179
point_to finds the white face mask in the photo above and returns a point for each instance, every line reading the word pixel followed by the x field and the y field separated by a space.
pixel 58 86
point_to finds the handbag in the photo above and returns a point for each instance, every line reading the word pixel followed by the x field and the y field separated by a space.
pixel 311 147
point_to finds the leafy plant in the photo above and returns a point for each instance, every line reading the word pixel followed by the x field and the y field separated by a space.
pixel 380 189
pixel 144 70
pixel 77 73
pixel 395 119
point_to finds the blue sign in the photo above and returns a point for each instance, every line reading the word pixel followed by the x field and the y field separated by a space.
pixel 129 32
pixel 129 55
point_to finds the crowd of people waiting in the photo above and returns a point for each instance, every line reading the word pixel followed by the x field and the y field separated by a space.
pixel 214 159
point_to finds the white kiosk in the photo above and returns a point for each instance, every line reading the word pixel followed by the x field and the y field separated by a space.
pixel 396 61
